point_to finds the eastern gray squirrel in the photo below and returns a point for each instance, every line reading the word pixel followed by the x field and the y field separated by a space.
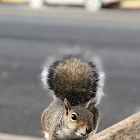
pixel 78 88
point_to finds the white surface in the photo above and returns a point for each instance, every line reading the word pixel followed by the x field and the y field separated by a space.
pixel 93 5
pixel 36 4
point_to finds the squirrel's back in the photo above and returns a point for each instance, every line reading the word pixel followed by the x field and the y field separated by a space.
pixel 75 80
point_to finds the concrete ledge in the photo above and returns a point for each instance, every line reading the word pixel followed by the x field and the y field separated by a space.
pixel 128 129
pixel 4 136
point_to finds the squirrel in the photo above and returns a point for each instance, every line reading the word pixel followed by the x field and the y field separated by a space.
pixel 78 88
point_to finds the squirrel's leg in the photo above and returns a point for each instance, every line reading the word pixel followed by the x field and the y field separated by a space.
pixel 52 137
pixel 83 138
pixel 52 134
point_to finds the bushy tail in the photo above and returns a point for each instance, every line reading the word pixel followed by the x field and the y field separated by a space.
pixel 75 80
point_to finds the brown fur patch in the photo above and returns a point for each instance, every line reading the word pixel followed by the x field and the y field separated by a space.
pixel 73 79
pixel 44 125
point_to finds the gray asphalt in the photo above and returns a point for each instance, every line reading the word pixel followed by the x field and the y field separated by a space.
pixel 28 37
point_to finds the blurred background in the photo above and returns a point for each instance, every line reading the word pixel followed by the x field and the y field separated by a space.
pixel 31 31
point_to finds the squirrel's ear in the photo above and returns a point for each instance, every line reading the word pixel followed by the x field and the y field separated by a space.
pixel 67 106
pixel 88 104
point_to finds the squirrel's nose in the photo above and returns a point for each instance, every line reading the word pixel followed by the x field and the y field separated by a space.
pixel 88 130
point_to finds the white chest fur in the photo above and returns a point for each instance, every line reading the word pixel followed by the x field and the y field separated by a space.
pixel 47 135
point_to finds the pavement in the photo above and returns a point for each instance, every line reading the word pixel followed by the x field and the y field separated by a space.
pixel 29 37
pixel 4 136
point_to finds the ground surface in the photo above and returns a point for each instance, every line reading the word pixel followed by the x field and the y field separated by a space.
pixel 28 37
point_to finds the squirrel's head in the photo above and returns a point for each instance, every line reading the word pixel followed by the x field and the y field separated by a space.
pixel 79 120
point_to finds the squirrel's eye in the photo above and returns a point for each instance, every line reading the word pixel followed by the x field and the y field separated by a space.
pixel 73 117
